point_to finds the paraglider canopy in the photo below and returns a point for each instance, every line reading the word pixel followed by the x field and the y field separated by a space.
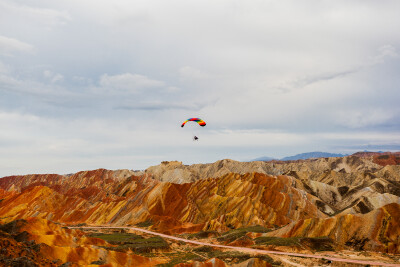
pixel 199 121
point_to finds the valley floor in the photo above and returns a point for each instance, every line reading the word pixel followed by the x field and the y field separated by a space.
pixel 280 258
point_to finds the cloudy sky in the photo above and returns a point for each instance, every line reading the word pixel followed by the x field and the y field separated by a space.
pixel 106 84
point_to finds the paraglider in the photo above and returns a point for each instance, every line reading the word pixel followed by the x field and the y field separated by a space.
pixel 199 122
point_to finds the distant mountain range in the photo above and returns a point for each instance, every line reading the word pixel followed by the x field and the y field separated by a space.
pixel 307 155
pixel 263 159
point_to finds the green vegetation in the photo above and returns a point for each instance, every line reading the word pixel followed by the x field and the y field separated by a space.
pixel 278 241
pixel 313 243
pixel 177 258
pixel 117 238
pixel 227 236
pixel 150 247
pixel 206 249
pixel 256 229
pixel 206 252
pixel 146 223
pixel 137 243
pixel 200 235
pixel 232 235
pixel 319 243
pixel 144 245
pixel 229 257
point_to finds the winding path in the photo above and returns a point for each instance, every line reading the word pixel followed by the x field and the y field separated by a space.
pixel 244 249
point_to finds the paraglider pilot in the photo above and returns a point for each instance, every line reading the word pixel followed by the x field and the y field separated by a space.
pixel 199 121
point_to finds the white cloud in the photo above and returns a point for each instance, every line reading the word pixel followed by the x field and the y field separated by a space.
pixel 82 80
pixel 12 83
pixel 253 138
pixel 359 118
pixel 127 83
pixel 41 16
pixel 173 89
pixel 4 68
pixel 53 77
pixel 8 46
pixel 191 73
pixel 265 75
pixel 17 118
pixel 385 51
pixel 161 105
pixel 372 136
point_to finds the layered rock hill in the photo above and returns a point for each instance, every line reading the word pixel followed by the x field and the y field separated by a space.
pixel 354 168
pixel 378 230
pixel 351 199
pixel 352 184
pixel 36 241
pixel 102 197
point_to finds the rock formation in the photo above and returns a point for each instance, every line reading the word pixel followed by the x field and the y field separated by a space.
pixel 39 241
pixel 378 230
pixel 97 197
pixel 354 200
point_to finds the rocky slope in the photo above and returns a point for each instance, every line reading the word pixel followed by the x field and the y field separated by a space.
pixel 176 172
pixel 352 184
pixel 354 200
pixel 349 170
pixel 39 241
pixel 98 197
pixel 378 230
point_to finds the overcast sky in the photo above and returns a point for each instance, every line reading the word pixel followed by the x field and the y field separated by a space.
pixel 106 84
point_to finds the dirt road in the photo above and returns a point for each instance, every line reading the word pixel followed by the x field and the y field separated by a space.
pixel 248 250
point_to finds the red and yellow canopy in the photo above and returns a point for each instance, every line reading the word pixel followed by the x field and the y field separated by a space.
pixel 199 121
